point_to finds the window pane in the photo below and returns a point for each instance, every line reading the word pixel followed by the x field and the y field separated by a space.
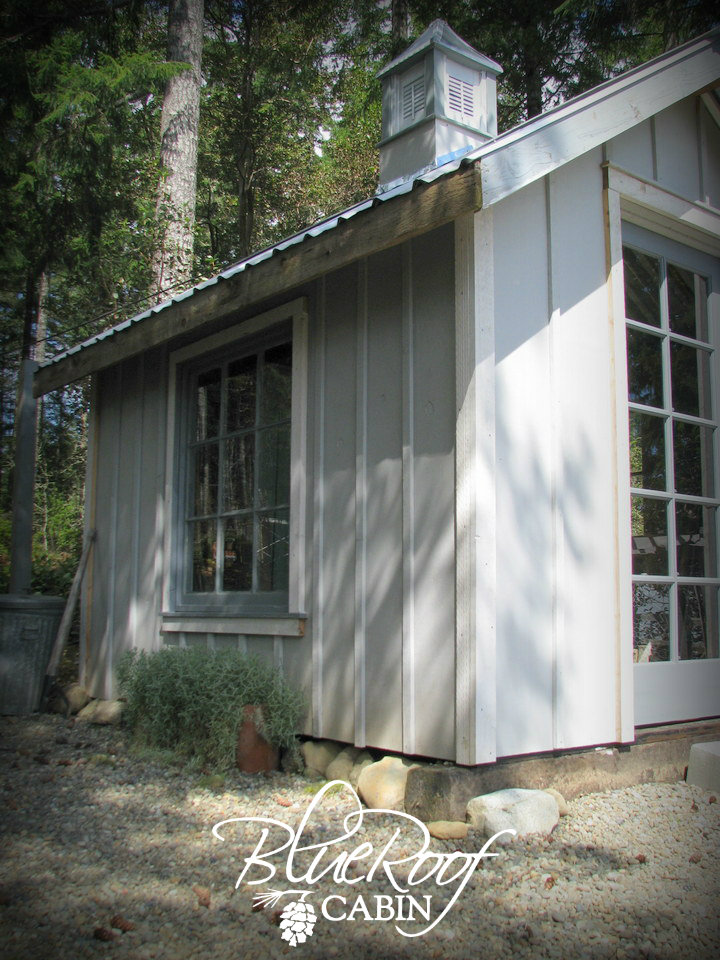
pixel 693 457
pixel 690 374
pixel 642 287
pixel 651 622
pixel 645 381
pixel 277 384
pixel 207 400
pixel 649 536
pixel 647 451
pixel 238 555
pixel 241 393
pixel 206 480
pixel 239 467
pixel 697 622
pixel 204 556
pixel 273 550
pixel 696 548
pixel 274 467
pixel 686 316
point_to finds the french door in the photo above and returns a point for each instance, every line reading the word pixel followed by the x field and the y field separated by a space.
pixel 672 296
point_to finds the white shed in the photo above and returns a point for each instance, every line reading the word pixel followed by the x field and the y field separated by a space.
pixel 451 458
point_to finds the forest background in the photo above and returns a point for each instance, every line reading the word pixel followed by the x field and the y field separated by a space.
pixel 289 122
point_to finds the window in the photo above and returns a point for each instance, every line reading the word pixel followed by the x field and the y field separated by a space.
pixel 673 459
pixel 239 495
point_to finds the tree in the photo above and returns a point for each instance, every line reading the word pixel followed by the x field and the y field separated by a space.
pixel 173 258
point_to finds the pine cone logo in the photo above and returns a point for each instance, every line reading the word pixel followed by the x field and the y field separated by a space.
pixel 297 922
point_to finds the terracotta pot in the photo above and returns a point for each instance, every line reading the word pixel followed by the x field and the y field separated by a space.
pixel 254 754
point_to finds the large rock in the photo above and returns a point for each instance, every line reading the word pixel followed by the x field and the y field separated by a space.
pixel 68 699
pixel 525 811
pixel 381 785
pixel 704 766
pixel 341 767
pixel 563 808
pixel 318 754
pixel 103 712
pixel 363 759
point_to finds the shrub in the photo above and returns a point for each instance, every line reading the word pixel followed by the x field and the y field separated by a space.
pixel 191 701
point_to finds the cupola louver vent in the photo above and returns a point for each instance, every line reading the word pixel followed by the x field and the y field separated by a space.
pixel 461 96
pixel 413 99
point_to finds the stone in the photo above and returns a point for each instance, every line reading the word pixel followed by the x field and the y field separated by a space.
pixel 525 811
pixel 254 754
pixel 447 829
pixel 341 767
pixel 317 754
pixel 103 712
pixel 704 766
pixel 563 808
pixel 381 785
pixel 363 759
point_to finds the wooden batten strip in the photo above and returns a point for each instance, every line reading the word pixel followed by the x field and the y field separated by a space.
pixel 425 207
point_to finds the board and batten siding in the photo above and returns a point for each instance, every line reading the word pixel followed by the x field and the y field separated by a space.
pixel 377 654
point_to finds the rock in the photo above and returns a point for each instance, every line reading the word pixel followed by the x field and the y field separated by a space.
pixel 317 754
pixel 381 785
pixel 447 829
pixel 103 712
pixel 254 754
pixel 363 759
pixel 77 697
pixel 525 811
pixel 341 767
pixel 563 808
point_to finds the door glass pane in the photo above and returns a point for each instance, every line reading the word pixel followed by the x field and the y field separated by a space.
pixel 204 556
pixel 651 622
pixel 647 451
pixel 273 550
pixel 277 384
pixel 645 378
pixel 642 287
pixel 238 556
pixel 206 480
pixel 697 622
pixel 690 374
pixel 207 405
pixel 693 459
pixel 687 316
pixel 241 394
pixel 239 472
pixel 274 466
pixel 649 536
pixel 696 547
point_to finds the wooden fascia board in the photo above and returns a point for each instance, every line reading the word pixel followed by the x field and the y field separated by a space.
pixel 562 135
pixel 391 222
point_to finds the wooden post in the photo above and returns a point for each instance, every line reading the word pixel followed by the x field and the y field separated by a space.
pixel 23 483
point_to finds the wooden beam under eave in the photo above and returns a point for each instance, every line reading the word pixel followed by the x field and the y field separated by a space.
pixel 391 222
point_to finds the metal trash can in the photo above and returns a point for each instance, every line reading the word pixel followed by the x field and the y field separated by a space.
pixel 28 627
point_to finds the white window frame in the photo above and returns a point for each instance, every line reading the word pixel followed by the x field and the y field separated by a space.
pixel 174 600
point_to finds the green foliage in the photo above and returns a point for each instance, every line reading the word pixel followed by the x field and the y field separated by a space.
pixel 191 701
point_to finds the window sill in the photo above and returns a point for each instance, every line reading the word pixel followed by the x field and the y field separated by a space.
pixel 271 626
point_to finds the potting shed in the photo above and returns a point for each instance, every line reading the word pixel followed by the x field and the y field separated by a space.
pixel 450 458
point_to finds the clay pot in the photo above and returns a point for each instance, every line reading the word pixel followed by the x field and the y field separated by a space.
pixel 254 754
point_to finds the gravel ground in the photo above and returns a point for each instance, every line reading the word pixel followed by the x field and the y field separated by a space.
pixel 93 834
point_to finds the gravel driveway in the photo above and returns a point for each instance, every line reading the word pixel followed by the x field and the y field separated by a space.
pixel 95 838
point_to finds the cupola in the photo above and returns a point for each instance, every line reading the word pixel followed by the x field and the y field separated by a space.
pixel 439 100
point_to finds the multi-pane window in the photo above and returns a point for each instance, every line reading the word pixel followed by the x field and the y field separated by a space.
pixel 673 439
pixel 238 477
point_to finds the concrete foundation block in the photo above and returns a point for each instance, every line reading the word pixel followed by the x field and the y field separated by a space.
pixel 704 765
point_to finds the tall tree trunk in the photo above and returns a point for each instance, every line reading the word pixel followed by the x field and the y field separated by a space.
pixel 400 25
pixel 172 264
